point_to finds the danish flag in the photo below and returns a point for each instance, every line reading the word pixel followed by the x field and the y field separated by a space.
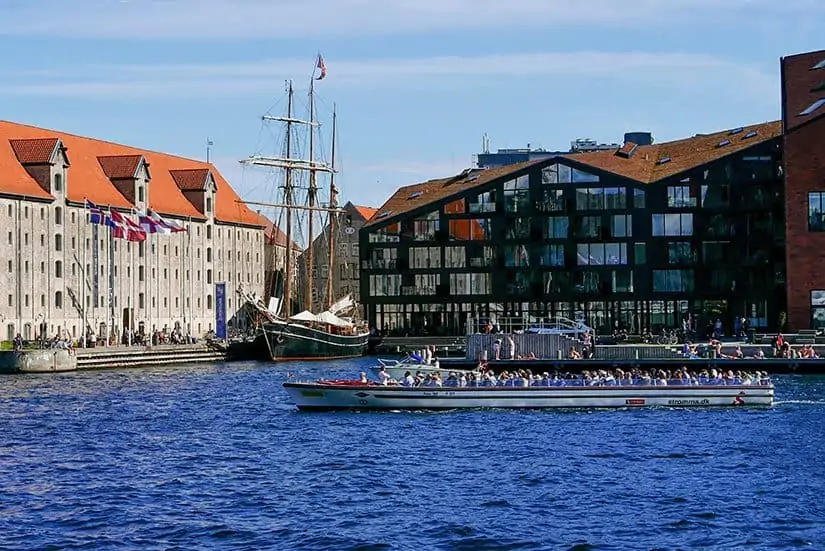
pixel 322 66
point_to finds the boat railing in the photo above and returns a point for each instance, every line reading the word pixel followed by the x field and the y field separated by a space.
pixel 520 324
pixel 561 383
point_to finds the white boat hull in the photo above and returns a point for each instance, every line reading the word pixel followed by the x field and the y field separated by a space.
pixel 352 395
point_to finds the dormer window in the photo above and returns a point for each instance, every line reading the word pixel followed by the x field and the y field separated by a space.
pixel 58 182
pixel 141 193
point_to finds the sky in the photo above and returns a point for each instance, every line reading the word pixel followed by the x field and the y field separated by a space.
pixel 417 83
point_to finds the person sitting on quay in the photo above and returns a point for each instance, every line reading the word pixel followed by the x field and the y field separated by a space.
pixel 18 343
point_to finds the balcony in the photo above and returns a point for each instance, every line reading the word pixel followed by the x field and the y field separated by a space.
pixel 482 262
pixel 413 290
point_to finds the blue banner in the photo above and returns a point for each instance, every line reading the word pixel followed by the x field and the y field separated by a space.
pixel 220 310
pixel 95 267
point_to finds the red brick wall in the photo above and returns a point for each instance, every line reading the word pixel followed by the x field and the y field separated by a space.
pixel 804 160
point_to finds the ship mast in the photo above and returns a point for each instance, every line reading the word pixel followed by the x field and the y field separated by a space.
pixel 333 193
pixel 311 195
pixel 288 200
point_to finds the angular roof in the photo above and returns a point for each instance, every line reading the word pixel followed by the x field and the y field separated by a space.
pixel 191 180
pixel 803 88
pixel 87 178
pixel 647 164
pixel 412 197
pixel 365 212
pixel 120 167
pixel 34 151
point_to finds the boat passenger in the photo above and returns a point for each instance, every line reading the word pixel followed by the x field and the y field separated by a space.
pixel 364 378
pixel 408 379
pixel 573 354
pixel 383 376
pixel 497 349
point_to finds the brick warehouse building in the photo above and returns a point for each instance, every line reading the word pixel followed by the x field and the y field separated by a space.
pixel 637 237
pixel 803 120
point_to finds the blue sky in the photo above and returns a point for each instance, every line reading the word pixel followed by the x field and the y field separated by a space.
pixel 417 82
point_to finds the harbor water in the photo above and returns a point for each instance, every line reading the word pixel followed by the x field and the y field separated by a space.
pixel 215 457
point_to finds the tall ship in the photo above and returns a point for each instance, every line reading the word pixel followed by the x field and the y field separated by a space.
pixel 295 323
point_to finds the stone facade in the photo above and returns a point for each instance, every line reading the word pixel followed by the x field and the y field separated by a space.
pixel 56 267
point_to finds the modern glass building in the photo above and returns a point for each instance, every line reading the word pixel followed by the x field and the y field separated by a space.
pixel 637 237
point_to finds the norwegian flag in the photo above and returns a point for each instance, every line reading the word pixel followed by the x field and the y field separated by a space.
pixel 95 213
pixel 322 67
pixel 165 226
pixel 131 231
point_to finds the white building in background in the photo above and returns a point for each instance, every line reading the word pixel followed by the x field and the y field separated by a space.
pixel 55 268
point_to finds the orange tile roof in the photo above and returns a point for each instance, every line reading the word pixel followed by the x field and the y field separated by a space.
pixel 119 167
pixel 34 151
pixel 14 179
pixel 190 180
pixel 365 212
pixel 801 87
pixel 86 177
pixel 643 166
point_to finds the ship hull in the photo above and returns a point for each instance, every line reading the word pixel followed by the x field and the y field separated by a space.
pixel 343 395
pixel 293 341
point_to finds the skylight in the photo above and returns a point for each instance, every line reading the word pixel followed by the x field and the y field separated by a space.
pixel 415 195
pixel 384 214
pixel 813 107
pixel 663 160
pixel 723 143
pixel 820 65
pixel 750 134
pixel 473 178
pixel 736 131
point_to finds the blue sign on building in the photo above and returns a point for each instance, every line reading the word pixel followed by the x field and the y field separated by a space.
pixel 220 310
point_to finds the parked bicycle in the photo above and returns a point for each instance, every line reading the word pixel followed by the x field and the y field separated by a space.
pixel 667 336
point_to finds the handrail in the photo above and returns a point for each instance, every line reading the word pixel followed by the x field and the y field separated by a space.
pixel 513 324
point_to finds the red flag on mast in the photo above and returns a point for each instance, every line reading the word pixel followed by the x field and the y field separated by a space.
pixel 322 66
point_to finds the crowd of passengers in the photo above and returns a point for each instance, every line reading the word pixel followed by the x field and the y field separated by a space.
pixel 614 377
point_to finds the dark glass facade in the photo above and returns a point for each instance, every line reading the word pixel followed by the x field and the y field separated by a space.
pixel 560 238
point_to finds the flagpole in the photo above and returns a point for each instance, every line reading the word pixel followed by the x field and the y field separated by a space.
pixel 132 279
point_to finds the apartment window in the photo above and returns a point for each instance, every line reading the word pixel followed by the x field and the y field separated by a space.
pixel 42 213
pixel 556 227
pixel 621 225
pixel 552 255
pixel 817 309
pixel 679 197
pixel 208 302
pixel 601 198
pixel 11 299
pixel 26 300
pixel 640 253
pixel 355 250
pixel 517 194
pixel 72 218
pixel 141 301
pixel 58 216
pixel 209 254
pixel 673 224
pixel 10 238
pixel 638 198
pixel 74 243
pixel 11 266
pixel 816 211
pixel 58 242
pixel 58 299
pixel 209 232
pixel 600 254
pixel 672 281
pixel 680 252
pixel 10 211
pixel 42 240
pixel 208 276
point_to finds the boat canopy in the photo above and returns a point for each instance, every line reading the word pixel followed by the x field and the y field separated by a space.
pixel 306 315
pixel 332 319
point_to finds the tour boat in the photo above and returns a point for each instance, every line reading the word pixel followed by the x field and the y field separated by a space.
pixel 413 363
pixel 356 395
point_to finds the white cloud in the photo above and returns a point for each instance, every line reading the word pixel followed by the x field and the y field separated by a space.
pixel 199 80
pixel 241 19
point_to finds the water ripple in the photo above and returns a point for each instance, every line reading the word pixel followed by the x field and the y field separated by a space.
pixel 216 457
